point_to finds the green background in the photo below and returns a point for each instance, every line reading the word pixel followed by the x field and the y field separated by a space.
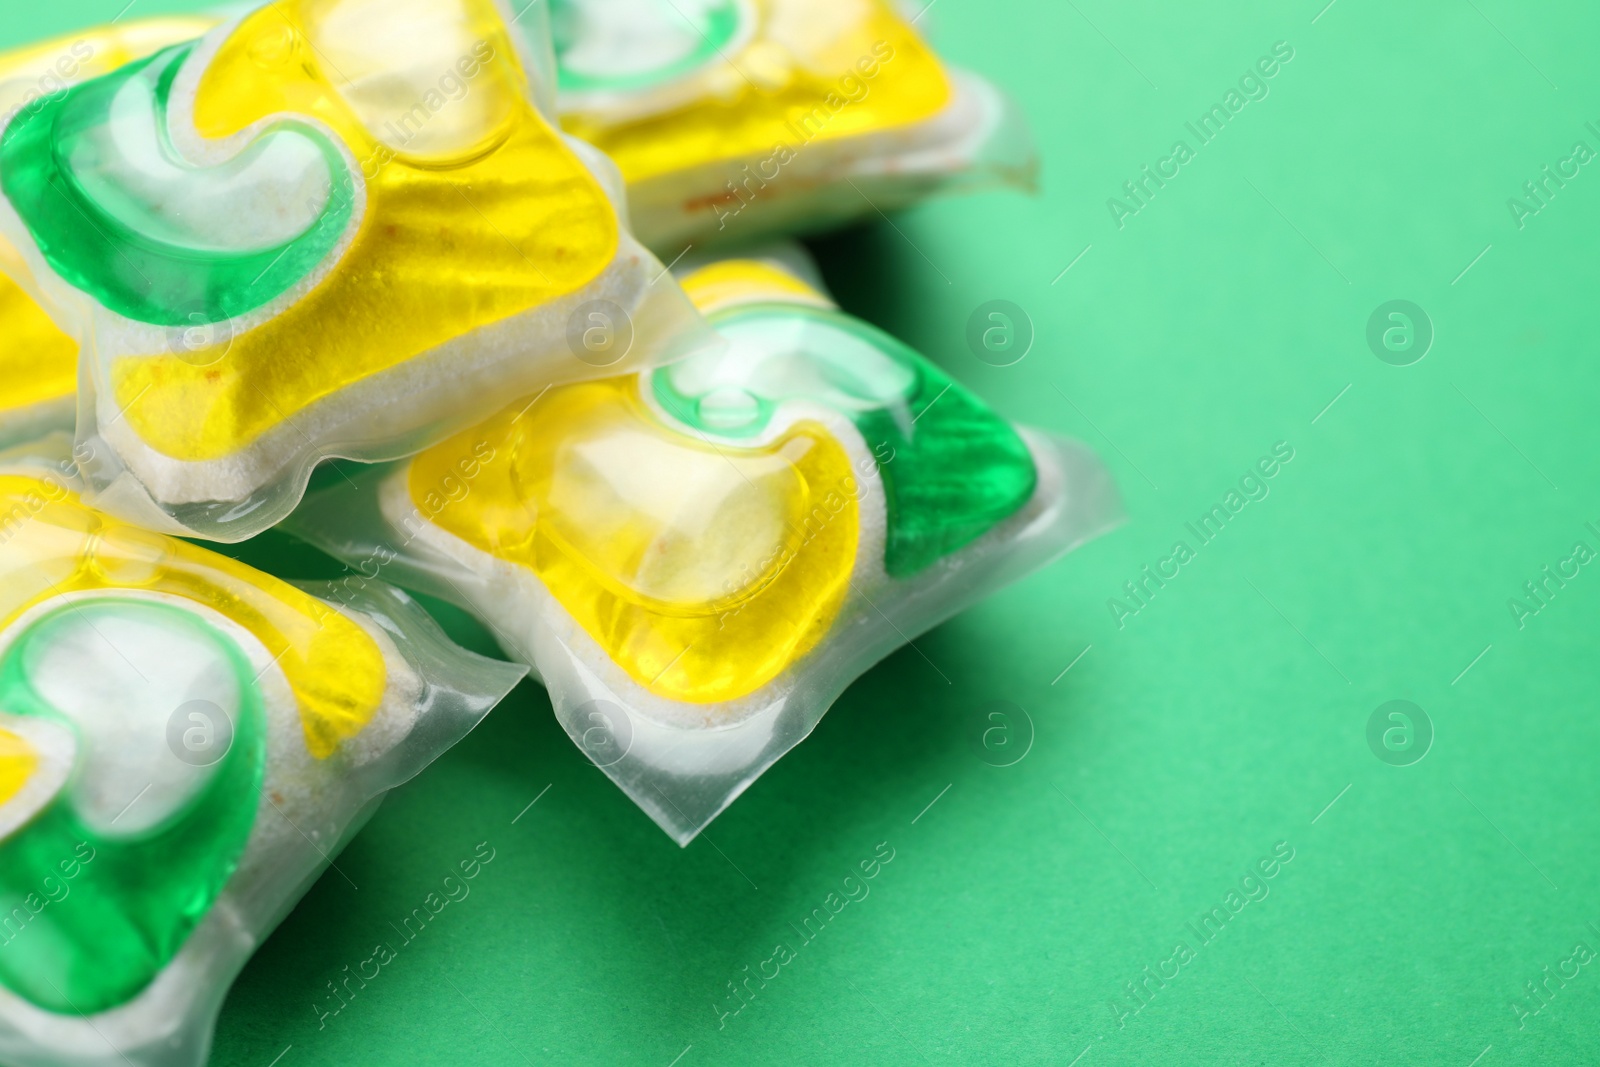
pixel 1224 718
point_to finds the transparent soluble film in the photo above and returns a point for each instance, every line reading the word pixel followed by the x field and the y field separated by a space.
pixel 316 229
pixel 733 120
pixel 697 560
pixel 185 746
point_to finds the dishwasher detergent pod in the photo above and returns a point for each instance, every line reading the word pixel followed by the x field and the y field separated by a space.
pixel 327 227
pixel 698 559
pixel 733 118
pixel 38 361
pixel 185 744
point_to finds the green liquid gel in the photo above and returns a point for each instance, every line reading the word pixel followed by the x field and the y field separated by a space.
pixel 632 44
pixel 951 468
pixel 131 907
pixel 120 215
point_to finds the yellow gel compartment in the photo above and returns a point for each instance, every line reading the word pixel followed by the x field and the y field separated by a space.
pixel 701 569
pixel 475 211
pixel 54 545
pixel 38 362
pixel 17 764
pixel 785 89
pixel 744 281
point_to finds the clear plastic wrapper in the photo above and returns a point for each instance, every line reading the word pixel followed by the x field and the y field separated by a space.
pixel 185 745
pixel 326 228
pixel 732 119
pixel 697 560
pixel 38 360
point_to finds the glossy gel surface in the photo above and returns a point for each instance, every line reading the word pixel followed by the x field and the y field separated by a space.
pixel 66 743
pixel 951 468
pixel 118 215
pixel 57 545
pixel 371 179
pixel 38 362
pixel 702 569
pixel 640 44
pixel 144 888
pixel 787 73
pixel 18 762
pixel 703 552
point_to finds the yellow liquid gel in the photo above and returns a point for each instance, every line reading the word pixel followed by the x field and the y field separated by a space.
pixel 785 88
pixel 746 281
pixel 55 545
pixel 38 362
pixel 701 570
pixel 475 211
pixel 17 764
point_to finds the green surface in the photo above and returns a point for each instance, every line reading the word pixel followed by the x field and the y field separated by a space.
pixel 1223 718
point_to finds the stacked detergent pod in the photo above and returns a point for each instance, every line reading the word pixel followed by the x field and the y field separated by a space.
pixel 185 743
pixel 38 361
pixel 698 559
pixel 735 118
pixel 325 228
